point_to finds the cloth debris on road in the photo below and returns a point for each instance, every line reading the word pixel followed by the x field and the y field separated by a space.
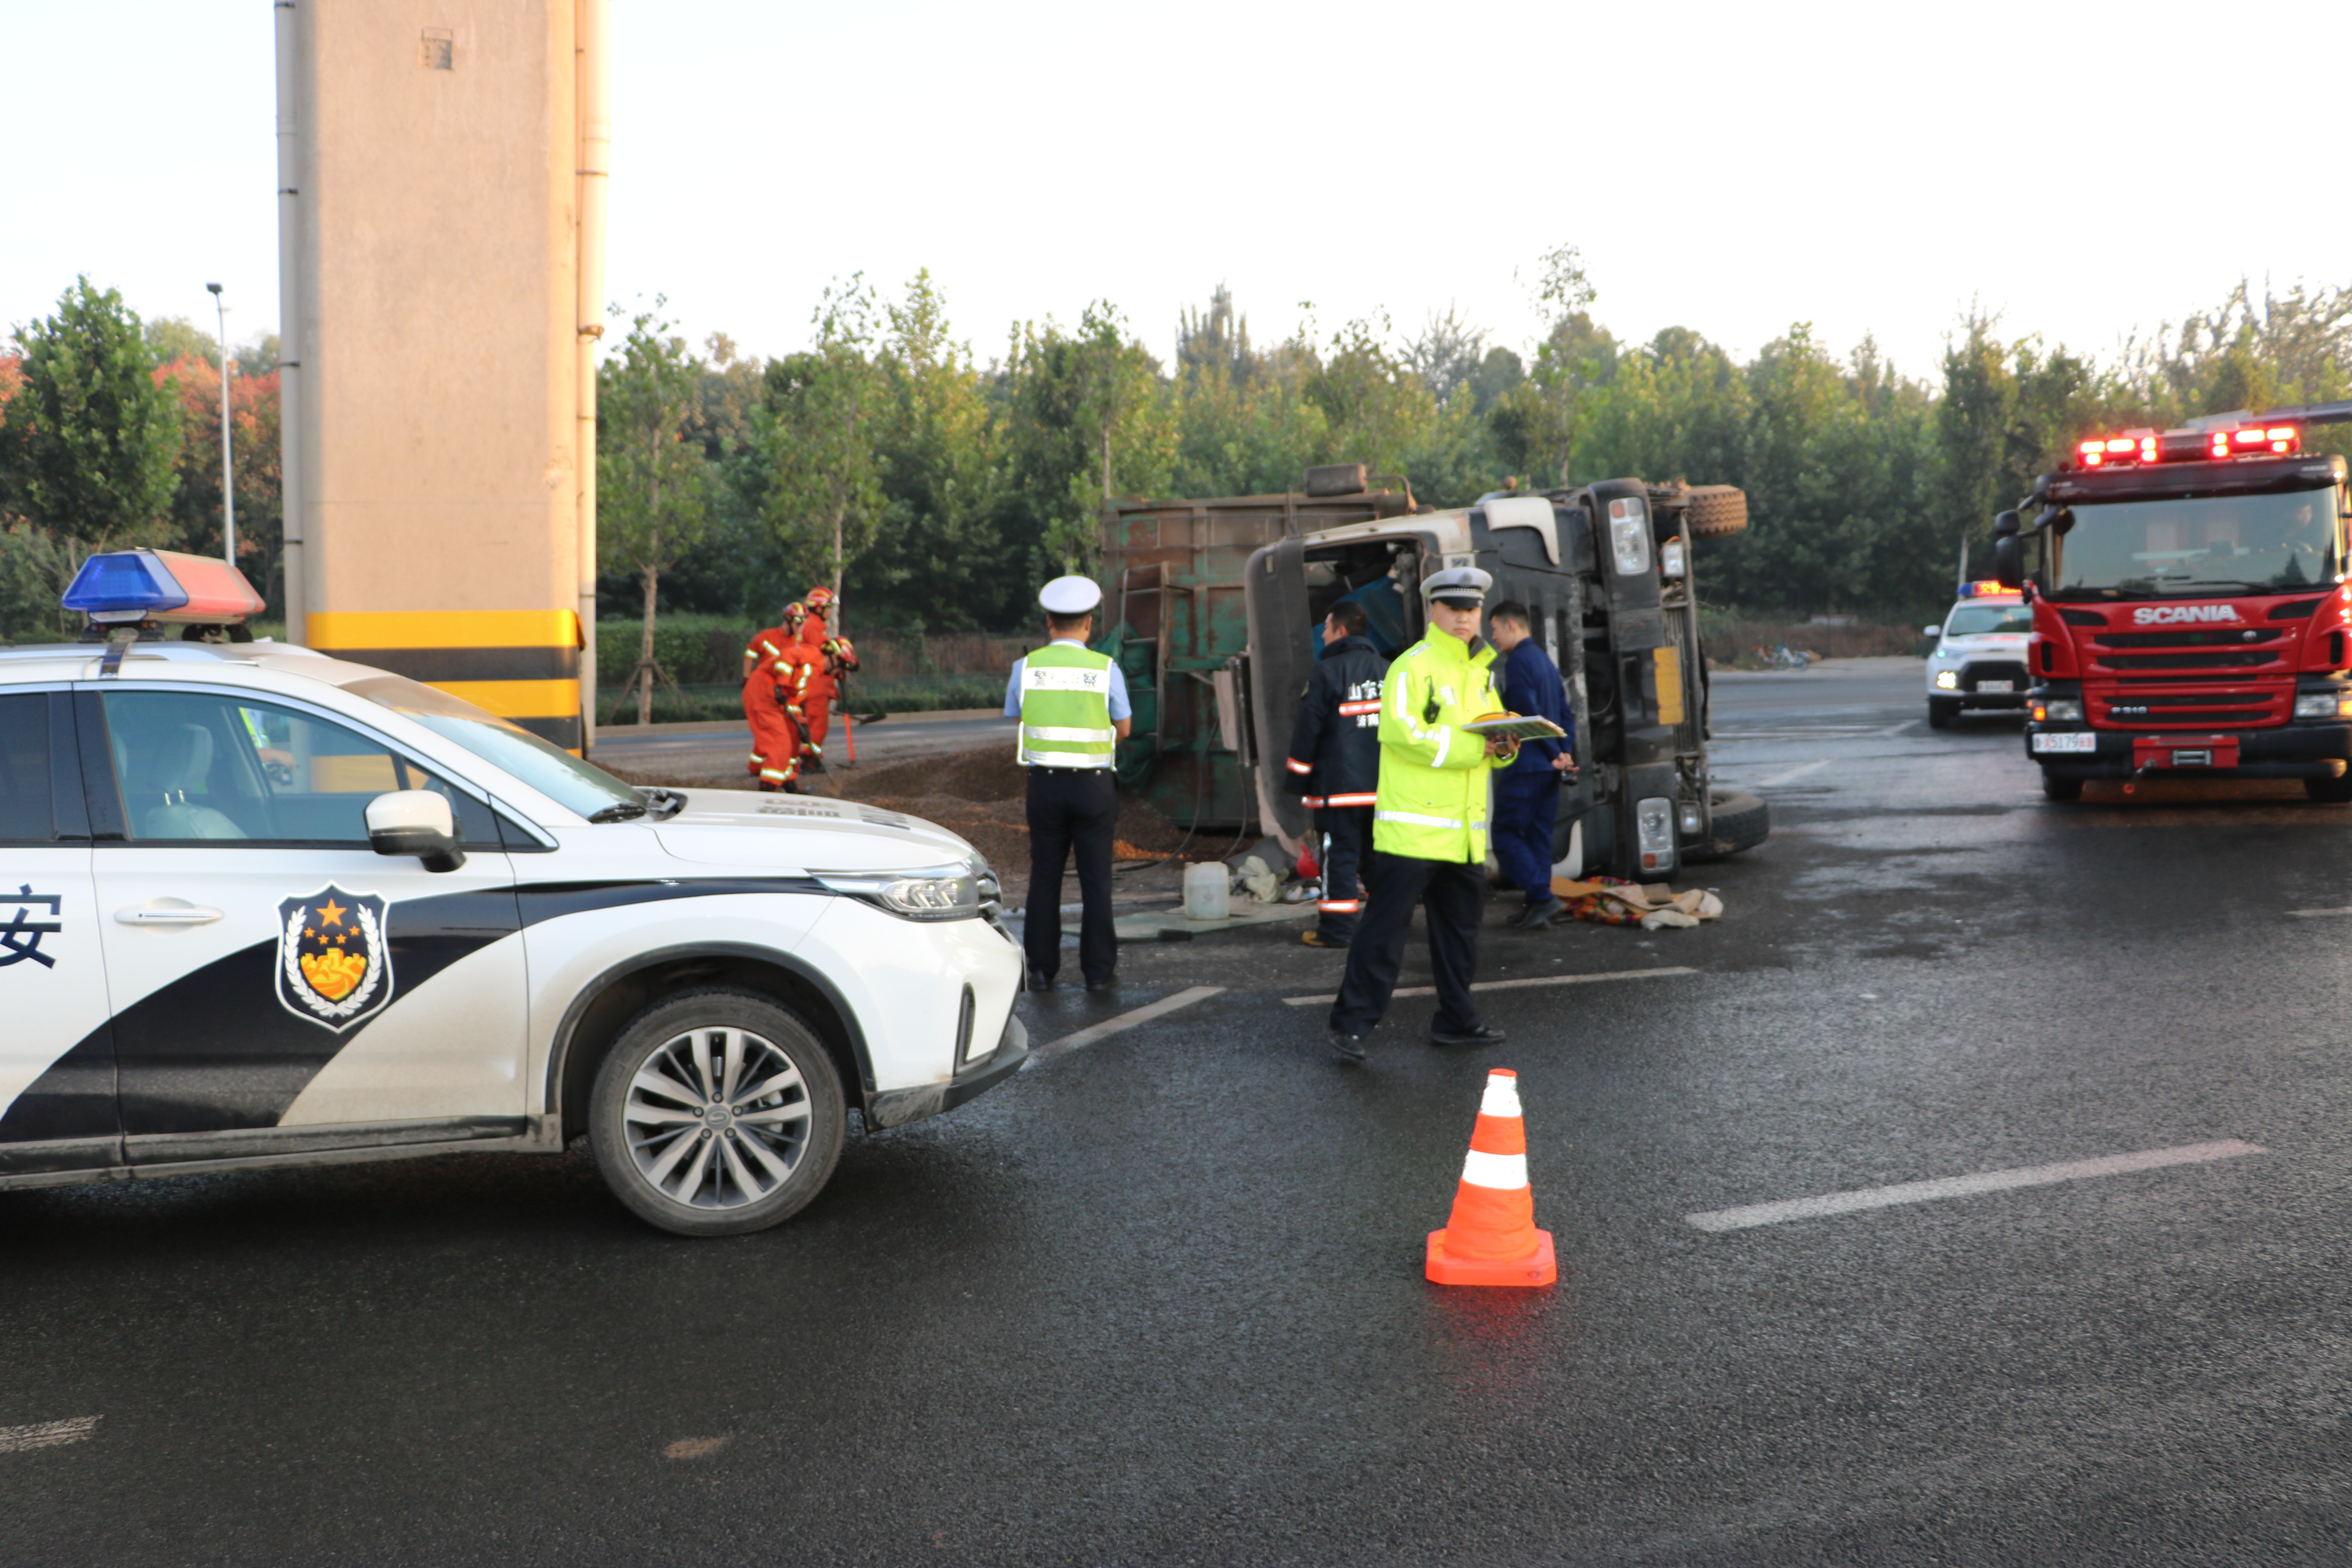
pixel 1613 901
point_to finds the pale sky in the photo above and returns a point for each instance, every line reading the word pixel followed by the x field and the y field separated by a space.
pixel 2083 170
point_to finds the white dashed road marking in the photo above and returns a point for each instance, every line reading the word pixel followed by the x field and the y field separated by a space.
pixel 1507 985
pixel 1777 780
pixel 2315 914
pixel 1967 1186
pixel 1109 1026
pixel 49 1434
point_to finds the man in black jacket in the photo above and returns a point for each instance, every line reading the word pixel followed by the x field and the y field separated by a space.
pixel 1335 762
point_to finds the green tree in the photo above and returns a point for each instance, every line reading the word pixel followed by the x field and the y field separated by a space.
pixel 818 429
pixel 1090 419
pixel 652 479
pixel 89 438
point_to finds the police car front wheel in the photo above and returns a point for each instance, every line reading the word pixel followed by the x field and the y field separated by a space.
pixel 715 1113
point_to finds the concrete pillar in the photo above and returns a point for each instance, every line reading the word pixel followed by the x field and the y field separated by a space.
pixel 439 418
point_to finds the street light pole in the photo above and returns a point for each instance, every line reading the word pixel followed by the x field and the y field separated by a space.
pixel 228 469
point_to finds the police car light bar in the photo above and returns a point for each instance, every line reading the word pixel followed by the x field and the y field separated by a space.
pixel 1987 589
pixel 124 587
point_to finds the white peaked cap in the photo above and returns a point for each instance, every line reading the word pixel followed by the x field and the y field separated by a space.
pixel 1457 582
pixel 1070 596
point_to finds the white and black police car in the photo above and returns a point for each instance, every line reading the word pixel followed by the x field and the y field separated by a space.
pixel 258 906
pixel 1978 659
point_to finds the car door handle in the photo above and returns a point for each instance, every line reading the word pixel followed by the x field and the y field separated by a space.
pixel 174 914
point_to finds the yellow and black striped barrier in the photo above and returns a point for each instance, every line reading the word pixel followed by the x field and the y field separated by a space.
pixel 522 664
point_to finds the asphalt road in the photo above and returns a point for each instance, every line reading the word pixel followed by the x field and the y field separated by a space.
pixel 1160 1298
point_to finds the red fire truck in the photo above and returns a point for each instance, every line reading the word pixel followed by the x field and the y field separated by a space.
pixel 2191 606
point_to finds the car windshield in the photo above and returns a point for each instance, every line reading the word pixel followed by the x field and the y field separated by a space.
pixel 579 785
pixel 1976 620
pixel 2197 547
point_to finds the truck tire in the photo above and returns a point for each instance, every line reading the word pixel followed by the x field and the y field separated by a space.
pixel 2056 788
pixel 1941 711
pixel 1740 821
pixel 1715 512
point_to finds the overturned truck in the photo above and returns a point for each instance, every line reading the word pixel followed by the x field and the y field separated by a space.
pixel 1215 608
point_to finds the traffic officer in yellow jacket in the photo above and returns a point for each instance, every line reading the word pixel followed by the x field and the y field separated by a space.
pixel 1429 821
pixel 1074 711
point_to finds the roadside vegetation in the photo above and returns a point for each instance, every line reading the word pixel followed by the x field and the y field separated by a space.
pixel 934 486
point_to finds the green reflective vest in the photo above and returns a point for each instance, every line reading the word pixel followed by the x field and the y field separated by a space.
pixel 1431 804
pixel 1066 709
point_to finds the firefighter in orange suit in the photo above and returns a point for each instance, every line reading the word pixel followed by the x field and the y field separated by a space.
pixel 776 673
pixel 832 659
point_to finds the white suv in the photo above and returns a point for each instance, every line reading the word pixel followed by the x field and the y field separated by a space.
pixel 1979 657
pixel 258 906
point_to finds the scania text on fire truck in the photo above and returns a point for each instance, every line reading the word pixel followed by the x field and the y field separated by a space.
pixel 2190 607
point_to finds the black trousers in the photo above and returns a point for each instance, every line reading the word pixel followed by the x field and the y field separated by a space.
pixel 1456 896
pixel 1347 833
pixel 1071 808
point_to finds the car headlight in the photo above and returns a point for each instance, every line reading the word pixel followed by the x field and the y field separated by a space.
pixel 1948 680
pixel 2323 705
pixel 2058 709
pixel 941 893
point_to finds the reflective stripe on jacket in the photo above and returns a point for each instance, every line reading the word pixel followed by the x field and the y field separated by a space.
pixel 1432 802
pixel 1066 709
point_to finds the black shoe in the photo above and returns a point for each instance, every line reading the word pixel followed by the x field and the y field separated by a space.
pixel 1535 917
pixel 1481 1036
pixel 1347 1048
pixel 1107 983
pixel 1040 982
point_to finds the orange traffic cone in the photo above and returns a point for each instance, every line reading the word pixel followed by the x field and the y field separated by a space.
pixel 1491 1238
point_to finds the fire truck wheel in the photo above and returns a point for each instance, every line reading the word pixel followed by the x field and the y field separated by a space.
pixel 2329 792
pixel 1715 512
pixel 1941 711
pixel 1741 821
pixel 2056 788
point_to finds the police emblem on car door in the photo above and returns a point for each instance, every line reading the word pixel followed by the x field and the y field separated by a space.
pixel 332 968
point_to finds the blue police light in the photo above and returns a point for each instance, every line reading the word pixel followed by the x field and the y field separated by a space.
pixel 131 585
pixel 129 582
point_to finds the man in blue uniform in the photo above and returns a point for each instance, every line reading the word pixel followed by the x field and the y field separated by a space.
pixel 1335 762
pixel 1527 791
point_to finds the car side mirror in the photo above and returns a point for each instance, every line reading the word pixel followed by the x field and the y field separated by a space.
pixel 2009 561
pixel 415 822
pixel 1934 631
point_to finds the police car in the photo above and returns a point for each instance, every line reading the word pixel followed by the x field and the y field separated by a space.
pixel 258 906
pixel 1980 655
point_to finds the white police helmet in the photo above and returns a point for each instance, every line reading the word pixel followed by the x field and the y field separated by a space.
pixel 1465 588
pixel 1070 596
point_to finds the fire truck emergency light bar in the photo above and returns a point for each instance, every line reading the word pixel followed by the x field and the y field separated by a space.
pixel 124 587
pixel 2217 439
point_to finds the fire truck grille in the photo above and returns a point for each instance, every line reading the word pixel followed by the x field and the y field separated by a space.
pixel 2189 639
pixel 2249 658
pixel 2198 710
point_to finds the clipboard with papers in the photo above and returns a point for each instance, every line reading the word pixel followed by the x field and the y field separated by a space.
pixel 1517 727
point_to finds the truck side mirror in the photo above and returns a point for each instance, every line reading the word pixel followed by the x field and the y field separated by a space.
pixel 2009 560
pixel 2004 523
pixel 415 822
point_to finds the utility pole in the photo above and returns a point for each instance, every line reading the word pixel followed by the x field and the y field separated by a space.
pixel 229 467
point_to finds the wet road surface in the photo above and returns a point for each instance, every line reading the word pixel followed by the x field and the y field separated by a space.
pixel 1160 1298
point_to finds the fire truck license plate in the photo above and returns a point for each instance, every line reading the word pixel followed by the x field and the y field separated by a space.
pixel 1996 685
pixel 2065 742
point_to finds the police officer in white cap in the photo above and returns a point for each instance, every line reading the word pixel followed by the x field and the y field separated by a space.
pixel 1429 822
pixel 1073 708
